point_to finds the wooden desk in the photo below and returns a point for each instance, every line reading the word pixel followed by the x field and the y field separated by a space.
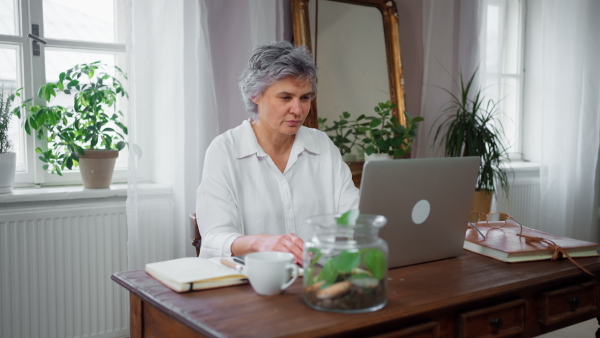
pixel 464 296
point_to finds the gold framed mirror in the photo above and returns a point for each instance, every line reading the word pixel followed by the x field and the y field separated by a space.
pixel 367 23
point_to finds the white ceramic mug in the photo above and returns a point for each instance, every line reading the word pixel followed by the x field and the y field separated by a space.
pixel 269 271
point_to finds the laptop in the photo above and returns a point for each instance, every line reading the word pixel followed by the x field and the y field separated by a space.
pixel 427 203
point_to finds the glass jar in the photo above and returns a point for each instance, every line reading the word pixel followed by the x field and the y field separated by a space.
pixel 345 266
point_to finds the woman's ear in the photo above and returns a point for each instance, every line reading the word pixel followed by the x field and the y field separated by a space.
pixel 255 99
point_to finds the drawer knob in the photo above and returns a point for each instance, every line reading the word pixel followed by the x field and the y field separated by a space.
pixel 574 301
pixel 496 323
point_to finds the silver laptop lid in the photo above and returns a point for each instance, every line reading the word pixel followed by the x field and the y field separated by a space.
pixel 426 201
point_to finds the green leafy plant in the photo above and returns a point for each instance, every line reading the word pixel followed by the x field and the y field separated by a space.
pixel 6 101
pixel 344 132
pixel 470 128
pixel 383 134
pixel 91 122
pixel 348 218
pixel 349 274
pixel 344 265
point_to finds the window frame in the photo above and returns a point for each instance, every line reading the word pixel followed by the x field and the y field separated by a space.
pixel 32 74
pixel 516 151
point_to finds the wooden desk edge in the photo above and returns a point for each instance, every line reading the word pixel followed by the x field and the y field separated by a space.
pixel 201 327
pixel 136 299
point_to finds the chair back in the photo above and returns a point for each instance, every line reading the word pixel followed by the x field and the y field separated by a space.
pixel 195 233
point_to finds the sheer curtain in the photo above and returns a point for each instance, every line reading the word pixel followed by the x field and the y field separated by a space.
pixel 185 58
pixel 569 103
pixel 452 44
pixel 564 105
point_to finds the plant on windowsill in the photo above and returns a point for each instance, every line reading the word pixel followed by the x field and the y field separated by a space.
pixel 8 159
pixel 471 128
pixel 88 132
pixel 383 134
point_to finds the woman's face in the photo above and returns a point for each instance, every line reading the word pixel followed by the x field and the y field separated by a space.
pixel 284 105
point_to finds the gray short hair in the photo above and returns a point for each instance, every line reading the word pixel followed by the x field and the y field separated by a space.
pixel 271 62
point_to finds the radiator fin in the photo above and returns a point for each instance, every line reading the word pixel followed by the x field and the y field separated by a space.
pixel 55 269
pixel 523 203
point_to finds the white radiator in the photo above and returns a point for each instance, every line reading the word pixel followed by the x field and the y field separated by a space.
pixel 523 202
pixel 55 266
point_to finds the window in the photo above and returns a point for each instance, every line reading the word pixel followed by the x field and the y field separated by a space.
pixel 76 31
pixel 503 65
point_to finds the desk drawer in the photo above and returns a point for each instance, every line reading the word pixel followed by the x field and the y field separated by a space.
pixel 568 302
pixel 426 330
pixel 500 320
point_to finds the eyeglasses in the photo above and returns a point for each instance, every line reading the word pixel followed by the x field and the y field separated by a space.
pixel 494 220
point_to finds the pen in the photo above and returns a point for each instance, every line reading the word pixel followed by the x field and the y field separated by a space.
pixel 232 265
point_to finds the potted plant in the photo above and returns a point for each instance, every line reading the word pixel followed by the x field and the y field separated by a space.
pixel 90 132
pixel 344 134
pixel 470 128
pixel 384 135
pixel 8 159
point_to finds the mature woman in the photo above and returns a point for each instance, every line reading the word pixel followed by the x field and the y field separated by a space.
pixel 262 179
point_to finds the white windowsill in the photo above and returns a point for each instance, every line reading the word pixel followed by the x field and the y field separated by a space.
pixel 61 193
pixel 524 166
pixel 520 172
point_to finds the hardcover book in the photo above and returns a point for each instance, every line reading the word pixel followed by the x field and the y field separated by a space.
pixel 504 244
pixel 194 273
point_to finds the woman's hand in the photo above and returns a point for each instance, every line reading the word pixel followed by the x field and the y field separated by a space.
pixel 286 243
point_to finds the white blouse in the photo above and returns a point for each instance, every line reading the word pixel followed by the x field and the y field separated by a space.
pixel 242 191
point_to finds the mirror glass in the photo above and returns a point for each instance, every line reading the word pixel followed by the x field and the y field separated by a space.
pixel 357 50
pixel 349 45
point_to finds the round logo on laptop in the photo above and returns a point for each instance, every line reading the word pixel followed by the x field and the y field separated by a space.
pixel 420 211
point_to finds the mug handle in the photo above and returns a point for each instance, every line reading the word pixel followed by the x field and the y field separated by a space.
pixel 294 275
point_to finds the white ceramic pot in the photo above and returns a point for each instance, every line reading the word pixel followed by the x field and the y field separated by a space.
pixel 377 157
pixel 8 165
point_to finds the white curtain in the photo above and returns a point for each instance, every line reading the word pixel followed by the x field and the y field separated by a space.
pixel 452 44
pixel 185 58
pixel 565 69
pixel 569 57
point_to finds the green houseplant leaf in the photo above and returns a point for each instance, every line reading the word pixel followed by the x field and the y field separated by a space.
pixel 342 132
pixel 376 263
pixel 374 134
pixel 469 127
pixel 349 217
pixel 383 133
pixel 91 122
pixel 347 261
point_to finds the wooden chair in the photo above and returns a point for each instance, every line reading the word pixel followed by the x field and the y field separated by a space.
pixel 195 233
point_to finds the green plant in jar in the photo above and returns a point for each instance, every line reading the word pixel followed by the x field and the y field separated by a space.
pixel 351 277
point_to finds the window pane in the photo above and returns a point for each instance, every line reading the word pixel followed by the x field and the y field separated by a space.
pixel 8 17
pixel 59 60
pixel 493 36
pixel 83 20
pixel 509 107
pixel 512 49
pixel 9 82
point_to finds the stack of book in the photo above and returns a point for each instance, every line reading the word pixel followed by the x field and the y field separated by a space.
pixel 505 245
